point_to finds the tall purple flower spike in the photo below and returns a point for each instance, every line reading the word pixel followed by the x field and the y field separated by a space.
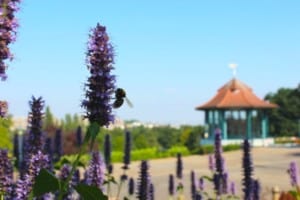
pixel 247 171
pixel 131 187
pixel 24 186
pixel 35 134
pixel 107 153
pixel 179 166
pixel 100 87
pixel 143 192
pixel 171 185
pixel 294 174
pixel 127 149
pixel 6 174
pixel 8 31
pixel 95 173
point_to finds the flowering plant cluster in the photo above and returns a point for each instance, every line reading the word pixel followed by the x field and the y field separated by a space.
pixel 8 26
pixel 35 163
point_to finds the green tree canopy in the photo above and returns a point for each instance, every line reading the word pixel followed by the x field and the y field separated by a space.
pixel 5 141
pixel 285 120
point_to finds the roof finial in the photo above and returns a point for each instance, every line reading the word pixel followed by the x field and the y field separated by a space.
pixel 233 67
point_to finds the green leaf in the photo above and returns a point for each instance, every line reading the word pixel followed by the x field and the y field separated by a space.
pixel 45 182
pixel 88 192
pixel 207 178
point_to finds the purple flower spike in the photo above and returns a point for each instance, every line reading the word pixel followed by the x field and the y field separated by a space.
pixel 256 190
pixel 232 188
pixel 144 182
pixel 219 160
pixel 17 150
pixel 211 162
pixel 58 149
pixel 151 192
pixel 220 177
pixel 107 153
pixel 127 149
pixel 64 173
pixel 247 170
pixel 193 185
pixel 96 171
pixel 79 136
pixel 36 162
pixel 35 117
pixel 6 174
pixel 8 26
pixel 131 186
pixel 171 185
pixel 179 166
pixel 100 86
pixel 49 151
pixel 201 184
pixel 294 174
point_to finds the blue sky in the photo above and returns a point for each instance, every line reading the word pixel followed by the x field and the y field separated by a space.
pixel 170 55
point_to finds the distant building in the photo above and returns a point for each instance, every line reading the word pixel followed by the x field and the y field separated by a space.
pixel 239 113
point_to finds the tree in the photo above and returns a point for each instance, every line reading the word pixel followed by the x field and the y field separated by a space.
pixel 5 141
pixel 49 124
pixel 285 119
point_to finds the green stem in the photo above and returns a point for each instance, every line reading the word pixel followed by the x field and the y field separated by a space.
pixel 119 189
pixel 108 189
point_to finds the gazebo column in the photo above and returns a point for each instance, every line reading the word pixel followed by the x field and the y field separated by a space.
pixel 264 127
pixel 222 124
pixel 249 124
pixel 211 123
pixel 206 117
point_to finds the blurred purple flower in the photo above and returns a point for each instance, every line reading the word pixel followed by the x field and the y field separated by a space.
pixel 8 26
pixel 211 162
pixel 193 185
pixel 220 178
pixel 107 153
pixel 143 182
pixel 171 185
pixel 201 184
pixel 219 160
pixel 24 185
pixel 79 136
pixel 49 151
pixel 127 149
pixel 151 191
pixel 63 175
pixel 58 148
pixel 294 174
pixel 101 84
pixel 179 166
pixel 96 171
pixel 247 171
pixel 35 133
pixel 16 150
pixel 6 174
pixel 256 190
pixel 131 186
pixel 232 188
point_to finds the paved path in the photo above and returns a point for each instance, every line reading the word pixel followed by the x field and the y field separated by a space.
pixel 270 168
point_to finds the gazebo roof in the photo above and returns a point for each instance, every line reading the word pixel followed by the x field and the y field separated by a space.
pixel 235 95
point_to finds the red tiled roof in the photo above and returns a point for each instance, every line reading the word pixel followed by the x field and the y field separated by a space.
pixel 235 94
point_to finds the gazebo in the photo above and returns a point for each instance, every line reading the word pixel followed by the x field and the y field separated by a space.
pixel 238 112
